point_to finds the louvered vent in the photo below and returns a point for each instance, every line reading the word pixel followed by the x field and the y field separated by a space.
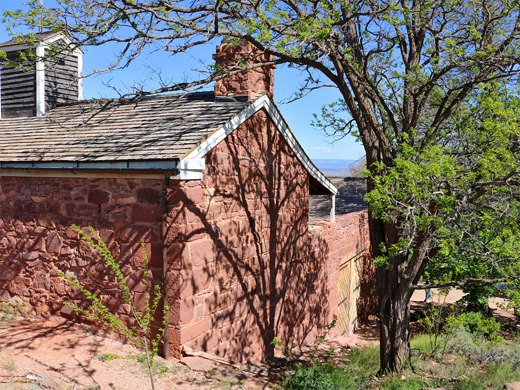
pixel 31 89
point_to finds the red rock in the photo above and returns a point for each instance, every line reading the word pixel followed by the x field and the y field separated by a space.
pixel 141 213
pixel 53 242
pixel 181 313
pixel 190 332
pixel 148 195
pixel 202 252
pixel 136 233
pixel 29 255
pixel 98 196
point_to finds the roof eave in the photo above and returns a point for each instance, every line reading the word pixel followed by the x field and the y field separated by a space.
pixel 263 102
pixel 53 38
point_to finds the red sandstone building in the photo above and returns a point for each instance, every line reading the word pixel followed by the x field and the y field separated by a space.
pixel 214 183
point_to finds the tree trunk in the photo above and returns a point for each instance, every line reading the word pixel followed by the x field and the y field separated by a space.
pixel 394 300
pixel 394 329
pixel 395 289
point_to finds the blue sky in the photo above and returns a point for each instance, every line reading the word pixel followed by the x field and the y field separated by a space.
pixel 181 68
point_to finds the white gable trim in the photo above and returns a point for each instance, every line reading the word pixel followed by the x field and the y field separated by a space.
pixel 191 169
pixel 47 41
pixel 261 103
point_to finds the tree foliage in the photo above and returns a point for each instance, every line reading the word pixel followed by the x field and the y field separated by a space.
pixel 427 86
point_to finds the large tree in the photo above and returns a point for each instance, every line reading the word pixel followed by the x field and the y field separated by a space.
pixel 405 71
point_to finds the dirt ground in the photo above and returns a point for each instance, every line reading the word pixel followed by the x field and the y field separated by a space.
pixel 58 355
pixel 55 354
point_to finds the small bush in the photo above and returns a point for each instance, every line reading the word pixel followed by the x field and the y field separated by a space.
pixel 106 357
pixel 314 377
pixel 475 324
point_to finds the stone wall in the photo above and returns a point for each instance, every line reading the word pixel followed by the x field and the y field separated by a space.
pixel 348 259
pixel 37 240
pixel 244 266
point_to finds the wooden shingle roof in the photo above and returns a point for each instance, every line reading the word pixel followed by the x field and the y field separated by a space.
pixel 164 127
pixel 36 37
pixel 158 133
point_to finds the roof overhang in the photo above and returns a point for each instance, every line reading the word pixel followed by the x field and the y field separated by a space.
pixel 318 179
pixel 177 170
pixel 97 169
pixel 45 42
pixel 190 167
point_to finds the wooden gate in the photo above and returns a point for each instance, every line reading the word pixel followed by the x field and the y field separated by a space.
pixel 349 278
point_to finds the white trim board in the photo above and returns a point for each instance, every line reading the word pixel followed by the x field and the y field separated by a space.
pixel 262 102
pixel 53 38
pixel 81 174
pixel 40 80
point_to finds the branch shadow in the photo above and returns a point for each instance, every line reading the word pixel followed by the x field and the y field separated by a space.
pixel 268 275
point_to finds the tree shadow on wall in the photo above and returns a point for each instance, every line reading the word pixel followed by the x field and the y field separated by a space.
pixel 261 273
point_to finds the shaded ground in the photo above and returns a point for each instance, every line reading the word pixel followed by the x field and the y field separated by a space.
pixel 349 200
pixel 56 354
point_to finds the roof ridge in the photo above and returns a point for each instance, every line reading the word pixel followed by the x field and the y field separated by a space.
pixel 136 99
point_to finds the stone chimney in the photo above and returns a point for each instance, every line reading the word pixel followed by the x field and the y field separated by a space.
pixel 250 82
pixel 43 84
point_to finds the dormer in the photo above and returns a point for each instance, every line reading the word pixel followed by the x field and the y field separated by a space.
pixel 52 77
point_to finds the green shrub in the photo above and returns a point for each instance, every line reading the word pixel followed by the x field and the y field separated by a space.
pixel 142 333
pixel 108 356
pixel 314 377
pixel 475 324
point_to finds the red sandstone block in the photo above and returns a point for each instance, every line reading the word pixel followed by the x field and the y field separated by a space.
pixel 192 331
pixel 200 311
pixel 178 256
pixel 177 215
pixel 222 348
pixel 139 302
pixel 99 196
pixel 225 270
pixel 196 231
pixel 128 252
pixel 202 252
pixel 87 210
pixel 133 253
pixel 209 340
pixel 70 209
pixel 174 336
pixel 175 195
pixel 53 242
pixel 55 208
pixel 142 213
pixel 35 245
pixel 148 195
pixel 215 211
pixel 228 228
pixel 221 158
pixel 136 233
pixel 155 256
pixel 136 284
pixel 195 195
pixel 182 312
pixel 186 283
pixel 195 214
pixel 123 198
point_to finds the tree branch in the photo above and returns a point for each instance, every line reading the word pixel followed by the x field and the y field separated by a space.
pixel 459 284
